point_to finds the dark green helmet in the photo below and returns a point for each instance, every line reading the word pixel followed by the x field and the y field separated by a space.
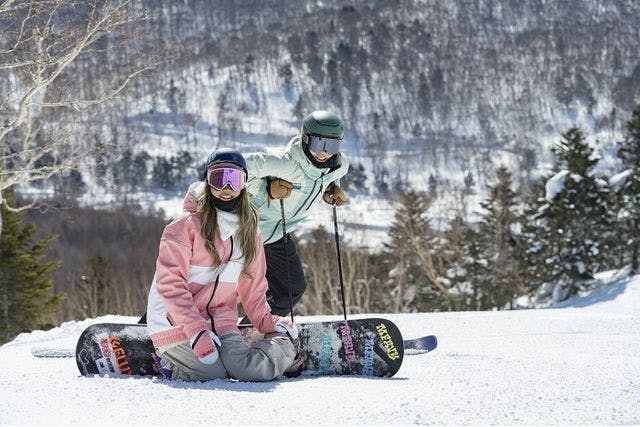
pixel 323 124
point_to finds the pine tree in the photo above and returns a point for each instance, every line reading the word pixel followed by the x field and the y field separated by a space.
pixel 27 298
pixel 465 267
pixel 537 236
pixel 184 166
pixel 569 229
pixel 628 195
pixel 499 249
pixel 413 252
pixel 469 183
pixel 163 174
pixel 355 180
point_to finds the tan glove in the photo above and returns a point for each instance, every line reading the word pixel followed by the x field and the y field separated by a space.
pixel 334 194
pixel 279 189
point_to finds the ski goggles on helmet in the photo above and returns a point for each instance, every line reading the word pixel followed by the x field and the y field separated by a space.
pixel 218 177
pixel 318 144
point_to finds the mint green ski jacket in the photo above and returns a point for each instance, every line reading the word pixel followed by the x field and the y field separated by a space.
pixel 291 164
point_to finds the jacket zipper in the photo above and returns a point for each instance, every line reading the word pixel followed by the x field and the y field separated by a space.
pixel 274 230
pixel 311 194
pixel 215 287
pixel 213 327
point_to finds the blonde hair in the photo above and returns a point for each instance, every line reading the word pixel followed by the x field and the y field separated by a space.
pixel 247 228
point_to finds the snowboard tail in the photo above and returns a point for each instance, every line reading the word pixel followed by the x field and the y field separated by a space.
pixel 114 348
pixel 365 347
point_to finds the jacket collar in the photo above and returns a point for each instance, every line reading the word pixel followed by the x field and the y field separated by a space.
pixel 228 224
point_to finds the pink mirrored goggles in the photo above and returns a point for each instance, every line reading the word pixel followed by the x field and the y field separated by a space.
pixel 219 177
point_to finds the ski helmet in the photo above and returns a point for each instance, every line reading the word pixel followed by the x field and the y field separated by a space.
pixel 323 124
pixel 225 155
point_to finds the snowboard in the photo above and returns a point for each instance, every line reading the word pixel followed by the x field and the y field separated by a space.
pixel 363 347
pixel 421 345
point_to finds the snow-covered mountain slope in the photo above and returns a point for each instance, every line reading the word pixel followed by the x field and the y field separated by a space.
pixel 572 365
pixel 431 92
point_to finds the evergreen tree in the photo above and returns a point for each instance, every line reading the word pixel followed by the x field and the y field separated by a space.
pixel 628 195
pixel 469 182
pixel 184 167
pixel 382 182
pixel 409 224
pixel 433 187
pixel 569 229
pixel 356 179
pixel 69 184
pixel 466 270
pixel 163 174
pixel 121 175
pixel 140 170
pixel 537 239
pixel 27 299
pixel 498 244
pixel 130 172
pixel 413 253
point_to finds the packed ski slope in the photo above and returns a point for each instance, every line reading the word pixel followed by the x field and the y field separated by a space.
pixel 579 364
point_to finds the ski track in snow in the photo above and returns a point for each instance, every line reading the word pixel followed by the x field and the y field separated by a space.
pixel 574 365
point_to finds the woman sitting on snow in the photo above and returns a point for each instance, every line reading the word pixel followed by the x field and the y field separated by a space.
pixel 208 256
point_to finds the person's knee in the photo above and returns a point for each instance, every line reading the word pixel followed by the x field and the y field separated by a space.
pixel 185 366
pixel 265 361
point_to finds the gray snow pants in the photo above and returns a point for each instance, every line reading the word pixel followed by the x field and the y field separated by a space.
pixel 265 361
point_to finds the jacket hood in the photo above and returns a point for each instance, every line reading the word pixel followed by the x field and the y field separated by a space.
pixel 195 191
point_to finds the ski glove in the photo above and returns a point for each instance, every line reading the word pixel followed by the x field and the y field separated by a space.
pixel 203 345
pixel 286 326
pixel 334 194
pixel 279 188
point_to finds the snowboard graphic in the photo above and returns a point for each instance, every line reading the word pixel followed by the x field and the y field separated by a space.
pixel 115 348
pixel 364 347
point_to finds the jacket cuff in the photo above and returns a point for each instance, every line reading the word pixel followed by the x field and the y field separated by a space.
pixel 193 328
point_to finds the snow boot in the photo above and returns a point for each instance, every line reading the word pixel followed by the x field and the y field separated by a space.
pixel 295 369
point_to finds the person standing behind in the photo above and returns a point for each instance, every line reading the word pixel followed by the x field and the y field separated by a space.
pixel 208 257
pixel 306 170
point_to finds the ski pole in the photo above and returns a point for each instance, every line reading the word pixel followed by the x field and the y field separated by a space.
pixel 286 254
pixel 335 227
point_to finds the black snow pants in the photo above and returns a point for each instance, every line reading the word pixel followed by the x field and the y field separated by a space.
pixel 279 280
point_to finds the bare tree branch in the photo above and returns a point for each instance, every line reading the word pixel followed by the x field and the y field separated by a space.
pixel 81 103
pixel 43 39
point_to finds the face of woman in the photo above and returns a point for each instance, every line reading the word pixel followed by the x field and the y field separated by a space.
pixel 227 193
pixel 321 156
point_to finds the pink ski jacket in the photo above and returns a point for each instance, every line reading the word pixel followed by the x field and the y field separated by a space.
pixel 182 301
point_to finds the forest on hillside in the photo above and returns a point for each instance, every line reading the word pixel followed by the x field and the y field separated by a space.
pixel 108 107
pixel 525 251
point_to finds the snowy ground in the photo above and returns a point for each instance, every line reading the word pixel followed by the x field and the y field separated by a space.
pixel 574 365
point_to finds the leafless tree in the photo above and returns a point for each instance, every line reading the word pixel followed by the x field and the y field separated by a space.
pixel 43 44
